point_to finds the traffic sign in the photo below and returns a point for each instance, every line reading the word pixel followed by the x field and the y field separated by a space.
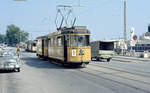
pixel 135 37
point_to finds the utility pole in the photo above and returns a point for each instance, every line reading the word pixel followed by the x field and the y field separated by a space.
pixel 125 30
pixel 125 24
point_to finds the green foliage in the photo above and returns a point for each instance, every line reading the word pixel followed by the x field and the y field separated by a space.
pixel 2 38
pixel 14 35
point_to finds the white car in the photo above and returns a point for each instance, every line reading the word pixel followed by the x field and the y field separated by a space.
pixel 9 61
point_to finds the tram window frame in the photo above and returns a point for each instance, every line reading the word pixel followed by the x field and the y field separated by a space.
pixel 59 41
pixel 52 42
pixel 74 40
pixel 55 42
pixel 49 42
pixel 45 42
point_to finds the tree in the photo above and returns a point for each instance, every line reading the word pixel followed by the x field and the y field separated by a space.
pixel 2 38
pixel 14 35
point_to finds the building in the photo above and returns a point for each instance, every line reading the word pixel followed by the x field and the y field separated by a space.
pixel 143 43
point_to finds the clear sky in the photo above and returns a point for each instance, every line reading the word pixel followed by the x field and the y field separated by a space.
pixel 104 18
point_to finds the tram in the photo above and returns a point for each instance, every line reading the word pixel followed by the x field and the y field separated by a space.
pixel 30 46
pixel 67 45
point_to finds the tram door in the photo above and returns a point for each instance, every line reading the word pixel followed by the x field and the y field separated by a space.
pixel 65 48
pixel 42 47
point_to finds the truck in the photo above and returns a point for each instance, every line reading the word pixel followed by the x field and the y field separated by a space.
pixel 102 49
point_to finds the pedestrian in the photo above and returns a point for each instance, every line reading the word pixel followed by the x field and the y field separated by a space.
pixel 18 52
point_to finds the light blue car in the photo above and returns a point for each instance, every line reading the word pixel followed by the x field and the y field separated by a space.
pixel 9 61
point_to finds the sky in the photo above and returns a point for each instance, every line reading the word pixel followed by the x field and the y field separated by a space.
pixel 104 18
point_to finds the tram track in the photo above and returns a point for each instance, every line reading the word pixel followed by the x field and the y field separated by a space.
pixel 128 73
pixel 129 59
pixel 142 73
pixel 116 78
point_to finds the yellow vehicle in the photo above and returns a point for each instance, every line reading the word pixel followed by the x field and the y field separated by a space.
pixel 42 46
pixel 70 44
pixel 30 46
pixel 67 45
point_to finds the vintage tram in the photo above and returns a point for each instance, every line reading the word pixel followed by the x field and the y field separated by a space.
pixel 67 45
pixel 30 46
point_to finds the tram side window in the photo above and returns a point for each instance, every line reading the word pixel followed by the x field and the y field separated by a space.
pixel 59 41
pixel 49 43
pixel 46 42
pixel 52 42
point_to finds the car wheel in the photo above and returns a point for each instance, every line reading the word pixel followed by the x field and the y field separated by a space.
pixel 108 60
pixel 97 59
pixel 18 69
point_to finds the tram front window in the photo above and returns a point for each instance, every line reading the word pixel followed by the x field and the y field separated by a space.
pixel 79 40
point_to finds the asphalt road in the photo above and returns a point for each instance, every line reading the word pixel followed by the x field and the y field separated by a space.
pixel 38 76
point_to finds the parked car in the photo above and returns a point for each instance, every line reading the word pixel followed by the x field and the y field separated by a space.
pixel 9 61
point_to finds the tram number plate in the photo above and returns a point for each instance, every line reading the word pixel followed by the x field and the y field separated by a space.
pixel 73 52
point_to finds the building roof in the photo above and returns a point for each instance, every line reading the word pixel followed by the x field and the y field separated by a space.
pixel 143 42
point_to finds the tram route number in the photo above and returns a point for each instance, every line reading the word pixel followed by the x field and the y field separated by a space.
pixel 73 52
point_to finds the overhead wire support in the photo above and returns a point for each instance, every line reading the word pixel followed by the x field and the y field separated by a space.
pixel 65 12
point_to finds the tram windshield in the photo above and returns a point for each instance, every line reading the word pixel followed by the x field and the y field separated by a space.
pixel 79 40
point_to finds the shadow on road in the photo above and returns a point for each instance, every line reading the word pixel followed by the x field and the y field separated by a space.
pixel 6 71
pixel 99 61
pixel 40 63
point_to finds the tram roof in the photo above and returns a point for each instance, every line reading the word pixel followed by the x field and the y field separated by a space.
pixel 31 41
pixel 42 37
pixel 72 30
pixel 76 29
